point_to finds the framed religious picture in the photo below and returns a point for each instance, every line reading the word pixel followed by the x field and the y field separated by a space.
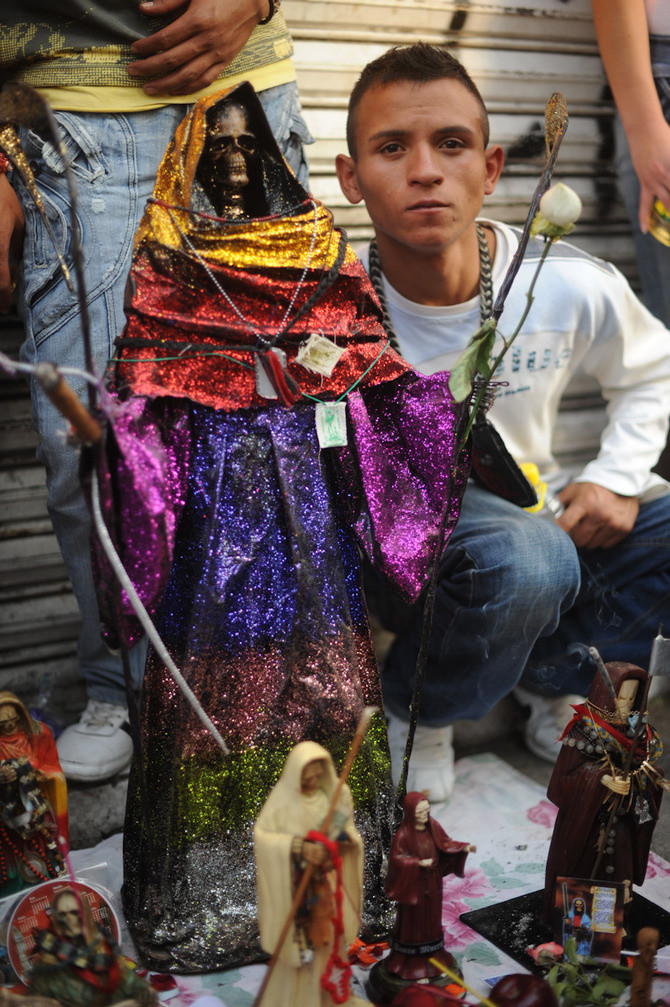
pixel 591 913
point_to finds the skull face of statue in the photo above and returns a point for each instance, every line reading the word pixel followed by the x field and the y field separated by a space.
pixel 67 917
pixel 421 813
pixel 9 719
pixel 625 698
pixel 311 777
pixel 232 147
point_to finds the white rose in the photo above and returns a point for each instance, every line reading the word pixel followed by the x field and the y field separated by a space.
pixel 561 205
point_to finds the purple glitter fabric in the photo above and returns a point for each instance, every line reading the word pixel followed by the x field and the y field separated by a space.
pixel 263 614
pixel 406 437
pixel 150 470
pixel 405 471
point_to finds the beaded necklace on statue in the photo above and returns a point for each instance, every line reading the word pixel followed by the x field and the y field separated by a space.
pixel 485 285
pixel 607 746
pixel 273 379
pixel 8 843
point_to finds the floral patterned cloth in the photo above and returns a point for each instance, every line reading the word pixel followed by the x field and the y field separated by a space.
pixel 505 814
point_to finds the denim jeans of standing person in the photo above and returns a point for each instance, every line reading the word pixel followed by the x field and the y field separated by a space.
pixel 114 159
pixel 516 601
pixel 653 258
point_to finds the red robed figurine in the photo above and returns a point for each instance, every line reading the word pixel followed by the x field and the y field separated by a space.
pixel 421 855
pixel 608 802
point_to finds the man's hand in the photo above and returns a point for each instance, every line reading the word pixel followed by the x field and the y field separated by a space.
pixel 191 52
pixel 594 517
pixel 11 239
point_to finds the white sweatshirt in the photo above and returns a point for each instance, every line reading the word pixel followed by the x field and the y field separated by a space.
pixel 584 315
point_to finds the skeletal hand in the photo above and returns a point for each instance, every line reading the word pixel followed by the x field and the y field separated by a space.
pixel 617 784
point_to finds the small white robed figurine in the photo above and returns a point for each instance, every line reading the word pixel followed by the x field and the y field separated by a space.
pixel 311 968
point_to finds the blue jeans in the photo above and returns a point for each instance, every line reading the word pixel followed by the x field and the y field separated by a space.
pixel 653 258
pixel 114 159
pixel 517 601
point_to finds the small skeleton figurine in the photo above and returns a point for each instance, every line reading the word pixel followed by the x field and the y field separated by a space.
pixel 33 799
pixel 79 964
pixel 608 794
pixel 422 854
pixel 311 966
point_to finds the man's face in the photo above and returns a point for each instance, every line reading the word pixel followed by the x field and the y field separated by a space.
pixel 67 917
pixel 10 721
pixel 421 165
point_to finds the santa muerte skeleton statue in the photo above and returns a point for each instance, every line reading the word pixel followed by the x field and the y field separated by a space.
pixel 260 431
pixel 606 785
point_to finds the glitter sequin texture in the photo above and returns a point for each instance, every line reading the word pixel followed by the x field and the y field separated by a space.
pixel 243 539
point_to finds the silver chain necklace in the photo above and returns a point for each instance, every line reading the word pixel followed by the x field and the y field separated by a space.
pixel 485 285
pixel 226 296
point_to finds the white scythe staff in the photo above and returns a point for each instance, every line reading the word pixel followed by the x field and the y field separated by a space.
pixel 307 873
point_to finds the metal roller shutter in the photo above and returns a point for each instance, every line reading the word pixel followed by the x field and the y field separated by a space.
pixel 519 55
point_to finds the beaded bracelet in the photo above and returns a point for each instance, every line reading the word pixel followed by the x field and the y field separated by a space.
pixel 5 164
pixel 274 7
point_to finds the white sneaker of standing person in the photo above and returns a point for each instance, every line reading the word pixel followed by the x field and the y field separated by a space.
pixel 431 766
pixel 98 745
pixel 547 719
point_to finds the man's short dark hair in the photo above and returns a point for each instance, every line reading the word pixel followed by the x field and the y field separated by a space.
pixel 417 64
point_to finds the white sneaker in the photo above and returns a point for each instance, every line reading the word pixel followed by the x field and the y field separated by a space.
pixel 547 720
pixel 431 767
pixel 98 746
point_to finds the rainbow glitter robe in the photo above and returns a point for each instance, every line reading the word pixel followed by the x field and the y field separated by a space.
pixel 242 533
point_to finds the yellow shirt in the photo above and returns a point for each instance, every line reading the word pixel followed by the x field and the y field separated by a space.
pixel 83 98
pixel 79 64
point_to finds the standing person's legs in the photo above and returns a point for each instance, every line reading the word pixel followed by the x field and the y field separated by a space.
pixel 284 114
pixel 114 159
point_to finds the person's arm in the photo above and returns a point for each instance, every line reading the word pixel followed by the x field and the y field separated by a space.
pixel 627 353
pixel 623 37
pixel 11 239
pixel 191 52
